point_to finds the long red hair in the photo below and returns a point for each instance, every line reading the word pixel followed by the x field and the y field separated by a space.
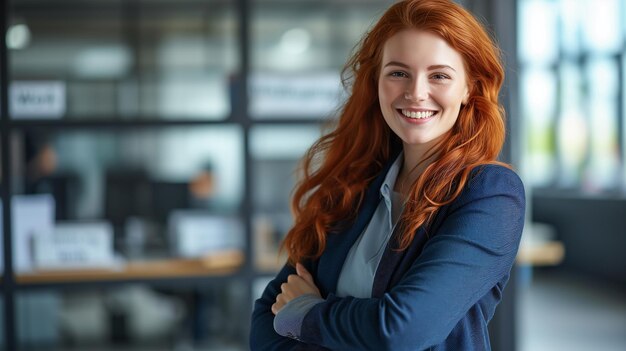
pixel 337 169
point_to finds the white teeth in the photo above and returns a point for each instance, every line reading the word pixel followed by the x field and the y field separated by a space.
pixel 419 115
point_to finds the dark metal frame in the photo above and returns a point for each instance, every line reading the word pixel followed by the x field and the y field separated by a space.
pixel 501 15
pixel 8 280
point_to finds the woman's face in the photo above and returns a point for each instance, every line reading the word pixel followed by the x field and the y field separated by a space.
pixel 421 87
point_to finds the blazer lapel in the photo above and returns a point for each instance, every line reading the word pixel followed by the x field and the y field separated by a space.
pixel 394 263
pixel 339 244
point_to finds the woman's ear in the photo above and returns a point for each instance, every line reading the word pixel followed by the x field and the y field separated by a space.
pixel 465 98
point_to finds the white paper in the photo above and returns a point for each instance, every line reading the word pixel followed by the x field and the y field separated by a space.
pixel 33 216
pixel 195 233
pixel 76 245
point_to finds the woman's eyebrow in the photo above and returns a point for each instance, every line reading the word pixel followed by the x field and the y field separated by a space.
pixel 396 63
pixel 430 68
pixel 433 67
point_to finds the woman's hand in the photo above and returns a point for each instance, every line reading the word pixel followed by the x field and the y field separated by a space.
pixel 296 285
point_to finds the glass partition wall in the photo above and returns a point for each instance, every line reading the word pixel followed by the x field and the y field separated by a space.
pixel 127 187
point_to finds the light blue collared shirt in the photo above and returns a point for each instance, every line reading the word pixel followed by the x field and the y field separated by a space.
pixel 359 268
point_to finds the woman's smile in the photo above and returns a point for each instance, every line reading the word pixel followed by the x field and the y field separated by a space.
pixel 417 116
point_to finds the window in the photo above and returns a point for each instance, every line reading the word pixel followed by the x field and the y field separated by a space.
pixel 572 93
pixel 123 60
pixel 298 51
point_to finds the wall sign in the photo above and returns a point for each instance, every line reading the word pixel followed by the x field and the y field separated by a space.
pixel 311 95
pixel 37 99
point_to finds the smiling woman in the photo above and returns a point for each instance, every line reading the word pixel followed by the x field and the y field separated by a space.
pixel 406 225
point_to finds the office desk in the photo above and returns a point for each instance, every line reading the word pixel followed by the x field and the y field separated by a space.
pixel 222 263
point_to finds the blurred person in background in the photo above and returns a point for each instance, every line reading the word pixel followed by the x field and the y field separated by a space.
pixel 40 160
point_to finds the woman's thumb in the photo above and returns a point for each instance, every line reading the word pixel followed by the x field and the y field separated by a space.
pixel 303 273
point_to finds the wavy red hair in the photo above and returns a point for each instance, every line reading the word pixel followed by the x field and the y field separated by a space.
pixel 337 169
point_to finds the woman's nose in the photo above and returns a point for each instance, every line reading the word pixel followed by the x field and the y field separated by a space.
pixel 417 91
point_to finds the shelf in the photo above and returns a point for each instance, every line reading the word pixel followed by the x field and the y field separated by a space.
pixel 576 194
pixel 80 123
pixel 269 263
pixel 219 264
pixel 156 122
pixel 550 253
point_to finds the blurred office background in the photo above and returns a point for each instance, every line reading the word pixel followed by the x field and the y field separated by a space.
pixel 149 148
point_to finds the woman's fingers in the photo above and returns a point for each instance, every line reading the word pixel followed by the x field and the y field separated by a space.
pixel 295 286
pixel 276 307
pixel 281 301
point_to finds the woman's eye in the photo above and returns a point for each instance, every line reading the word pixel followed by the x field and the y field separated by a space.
pixel 440 76
pixel 398 74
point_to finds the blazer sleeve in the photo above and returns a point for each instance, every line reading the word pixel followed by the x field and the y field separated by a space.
pixel 263 337
pixel 473 249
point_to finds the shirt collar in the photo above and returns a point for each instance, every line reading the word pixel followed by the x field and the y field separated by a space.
pixel 390 179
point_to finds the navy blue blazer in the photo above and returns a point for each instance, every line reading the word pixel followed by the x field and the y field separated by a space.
pixel 439 294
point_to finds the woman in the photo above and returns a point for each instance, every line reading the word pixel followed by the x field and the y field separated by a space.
pixel 406 226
